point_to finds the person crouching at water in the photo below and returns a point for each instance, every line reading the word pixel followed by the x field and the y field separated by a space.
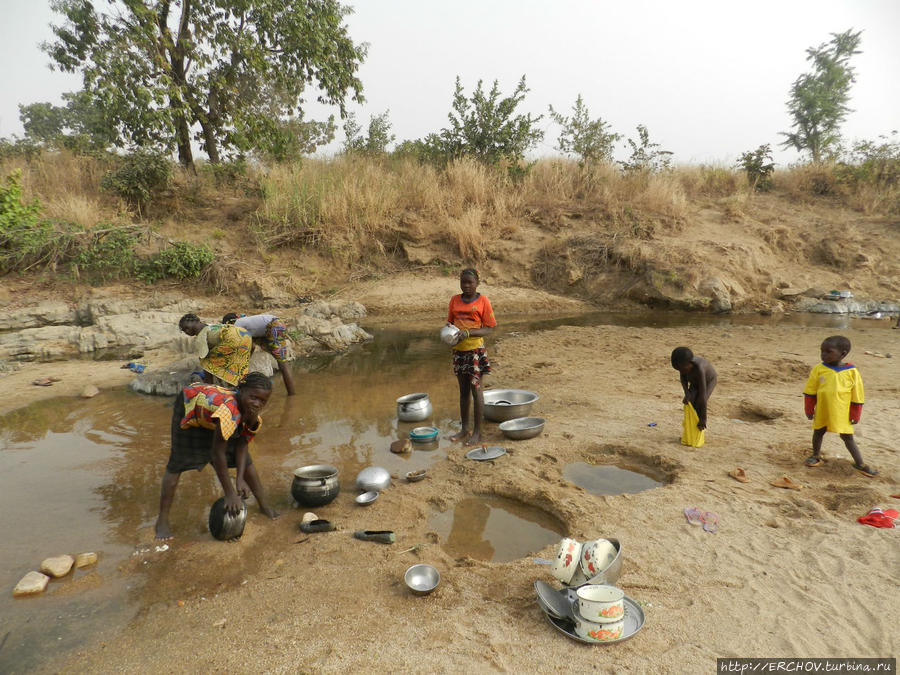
pixel 472 313
pixel 215 425
pixel 271 333
pixel 698 380
pixel 224 349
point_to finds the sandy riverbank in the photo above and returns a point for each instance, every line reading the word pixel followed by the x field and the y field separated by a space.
pixel 790 573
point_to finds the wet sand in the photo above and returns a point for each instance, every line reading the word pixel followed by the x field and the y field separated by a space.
pixel 789 573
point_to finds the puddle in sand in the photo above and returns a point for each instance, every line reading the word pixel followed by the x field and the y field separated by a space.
pixel 495 529
pixel 608 479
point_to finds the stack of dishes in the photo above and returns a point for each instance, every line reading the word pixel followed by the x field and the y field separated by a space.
pixel 590 609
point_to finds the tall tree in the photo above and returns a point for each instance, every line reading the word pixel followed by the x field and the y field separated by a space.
pixel 818 101
pixel 79 125
pixel 222 72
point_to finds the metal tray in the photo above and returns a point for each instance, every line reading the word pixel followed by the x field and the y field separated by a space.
pixel 484 454
pixel 634 619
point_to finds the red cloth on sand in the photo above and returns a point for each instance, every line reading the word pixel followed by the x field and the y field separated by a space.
pixel 878 518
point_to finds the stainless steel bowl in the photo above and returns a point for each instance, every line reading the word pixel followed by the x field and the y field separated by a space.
pixel 522 427
pixel 506 404
pixel 223 525
pixel 373 478
pixel 367 498
pixel 422 579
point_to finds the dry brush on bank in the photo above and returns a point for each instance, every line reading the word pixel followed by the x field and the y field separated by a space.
pixel 378 214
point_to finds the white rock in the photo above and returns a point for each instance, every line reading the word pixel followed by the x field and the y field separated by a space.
pixel 58 566
pixel 85 559
pixel 89 391
pixel 31 583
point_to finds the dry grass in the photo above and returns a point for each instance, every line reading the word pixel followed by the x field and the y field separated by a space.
pixel 711 181
pixel 67 187
pixel 359 209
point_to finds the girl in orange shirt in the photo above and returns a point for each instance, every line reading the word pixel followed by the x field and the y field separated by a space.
pixel 472 313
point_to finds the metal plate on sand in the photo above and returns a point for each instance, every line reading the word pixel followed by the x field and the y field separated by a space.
pixel 482 454
pixel 634 619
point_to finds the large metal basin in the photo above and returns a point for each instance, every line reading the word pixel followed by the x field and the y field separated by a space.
pixel 522 427
pixel 506 404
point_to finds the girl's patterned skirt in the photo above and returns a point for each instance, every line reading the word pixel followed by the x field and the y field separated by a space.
pixel 472 364
pixel 192 447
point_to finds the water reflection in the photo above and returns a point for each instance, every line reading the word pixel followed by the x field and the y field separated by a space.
pixel 495 529
pixel 610 479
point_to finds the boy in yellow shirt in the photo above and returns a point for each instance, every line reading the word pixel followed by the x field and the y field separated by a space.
pixel 833 400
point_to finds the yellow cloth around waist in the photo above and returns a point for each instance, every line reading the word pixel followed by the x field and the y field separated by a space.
pixel 690 434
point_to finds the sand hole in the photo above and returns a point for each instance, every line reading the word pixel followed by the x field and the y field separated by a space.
pixel 496 529
pixel 613 479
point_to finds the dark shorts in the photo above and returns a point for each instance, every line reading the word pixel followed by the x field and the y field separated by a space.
pixel 192 447
pixel 471 364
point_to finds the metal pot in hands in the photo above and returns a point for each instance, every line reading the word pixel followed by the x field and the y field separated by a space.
pixel 414 407
pixel 315 485
pixel 223 525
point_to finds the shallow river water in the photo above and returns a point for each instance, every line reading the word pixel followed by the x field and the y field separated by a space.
pixel 83 475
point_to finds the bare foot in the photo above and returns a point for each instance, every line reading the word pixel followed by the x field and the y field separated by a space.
pixel 162 531
pixel 269 511
pixel 474 439
pixel 456 438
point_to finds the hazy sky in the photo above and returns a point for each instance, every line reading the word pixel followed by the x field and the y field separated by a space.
pixel 708 78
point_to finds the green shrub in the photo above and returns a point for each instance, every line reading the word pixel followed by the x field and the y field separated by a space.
pixel 591 140
pixel 139 177
pixel 26 237
pixel 182 260
pixel 758 166
pixel 227 173
pixel 872 162
pixel 109 255
pixel 646 157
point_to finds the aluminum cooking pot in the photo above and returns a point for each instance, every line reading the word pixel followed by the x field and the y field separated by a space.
pixel 315 485
pixel 223 525
pixel 414 407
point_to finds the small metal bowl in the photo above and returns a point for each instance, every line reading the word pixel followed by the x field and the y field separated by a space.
pixel 422 579
pixel 522 427
pixel 367 498
pixel 416 476
pixel 374 479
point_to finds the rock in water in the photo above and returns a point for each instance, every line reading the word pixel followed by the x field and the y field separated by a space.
pixel 31 583
pixel 89 391
pixel 85 559
pixel 58 566
pixel 401 446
